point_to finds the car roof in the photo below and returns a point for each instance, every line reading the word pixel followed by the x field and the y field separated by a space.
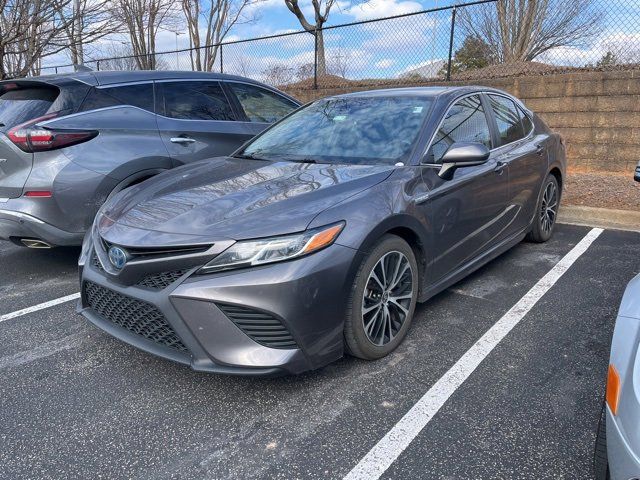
pixel 453 91
pixel 110 77
pixel 441 92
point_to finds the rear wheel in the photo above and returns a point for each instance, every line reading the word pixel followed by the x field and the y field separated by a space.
pixel 383 299
pixel 546 211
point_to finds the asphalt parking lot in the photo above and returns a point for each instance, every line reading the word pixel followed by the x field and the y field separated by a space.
pixel 76 403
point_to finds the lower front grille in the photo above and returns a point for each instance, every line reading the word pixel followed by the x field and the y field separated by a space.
pixel 134 315
pixel 261 327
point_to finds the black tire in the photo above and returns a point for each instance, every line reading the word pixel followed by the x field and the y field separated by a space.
pixel 540 231
pixel 392 317
pixel 600 460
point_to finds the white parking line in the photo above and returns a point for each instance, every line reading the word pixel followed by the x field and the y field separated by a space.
pixel 40 306
pixel 389 448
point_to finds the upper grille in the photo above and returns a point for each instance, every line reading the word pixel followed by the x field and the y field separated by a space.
pixel 161 280
pixel 261 327
pixel 159 251
pixel 137 316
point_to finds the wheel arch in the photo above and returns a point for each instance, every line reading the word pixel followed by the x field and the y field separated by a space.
pixel 135 178
pixel 410 230
pixel 555 171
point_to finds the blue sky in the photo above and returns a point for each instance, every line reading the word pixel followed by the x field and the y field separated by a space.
pixel 382 49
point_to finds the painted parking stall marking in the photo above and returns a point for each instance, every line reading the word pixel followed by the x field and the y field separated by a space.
pixel 391 446
pixel 40 306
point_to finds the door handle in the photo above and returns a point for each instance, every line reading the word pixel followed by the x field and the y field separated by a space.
pixel 500 166
pixel 539 149
pixel 182 140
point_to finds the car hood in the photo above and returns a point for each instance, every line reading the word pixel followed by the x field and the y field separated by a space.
pixel 230 198
pixel 630 305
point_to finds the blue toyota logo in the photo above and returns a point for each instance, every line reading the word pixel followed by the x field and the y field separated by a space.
pixel 117 257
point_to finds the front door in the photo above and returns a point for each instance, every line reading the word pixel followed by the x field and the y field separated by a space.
pixel 468 213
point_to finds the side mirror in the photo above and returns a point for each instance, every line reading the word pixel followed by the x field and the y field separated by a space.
pixel 460 155
pixel 636 177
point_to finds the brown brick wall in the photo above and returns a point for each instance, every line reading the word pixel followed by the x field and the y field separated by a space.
pixel 598 113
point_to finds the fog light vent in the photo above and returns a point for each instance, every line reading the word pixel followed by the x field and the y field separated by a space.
pixel 261 327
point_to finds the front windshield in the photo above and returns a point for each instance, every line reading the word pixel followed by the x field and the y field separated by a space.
pixel 352 130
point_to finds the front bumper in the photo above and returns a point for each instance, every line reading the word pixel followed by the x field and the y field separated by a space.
pixel 624 464
pixel 307 296
pixel 15 225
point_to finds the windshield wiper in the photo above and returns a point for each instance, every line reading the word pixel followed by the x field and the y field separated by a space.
pixel 302 160
pixel 250 156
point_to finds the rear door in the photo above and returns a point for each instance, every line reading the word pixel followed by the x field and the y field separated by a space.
pixel 259 107
pixel 196 120
pixel 524 156
pixel 17 106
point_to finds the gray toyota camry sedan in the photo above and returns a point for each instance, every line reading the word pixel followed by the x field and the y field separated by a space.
pixel 319 237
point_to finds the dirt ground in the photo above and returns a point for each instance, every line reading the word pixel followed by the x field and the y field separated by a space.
pixel 602 190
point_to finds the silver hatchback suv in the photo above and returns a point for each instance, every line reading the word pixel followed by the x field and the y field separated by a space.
pixel 68 142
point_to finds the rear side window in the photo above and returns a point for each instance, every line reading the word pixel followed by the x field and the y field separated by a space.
pixel 261 105
pixel 139 95
pixel 20 106
pixel 195 101
pixel 464 122
pixel 527 124
pixel 510 128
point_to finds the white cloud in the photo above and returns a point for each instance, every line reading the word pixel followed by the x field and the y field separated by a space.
pixel 385 63
pixel 382 8
pixel 621 45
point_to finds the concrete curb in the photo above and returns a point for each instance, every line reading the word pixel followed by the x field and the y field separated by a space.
pixel 600 217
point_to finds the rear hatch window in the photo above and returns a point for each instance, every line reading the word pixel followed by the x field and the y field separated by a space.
pixel 24 104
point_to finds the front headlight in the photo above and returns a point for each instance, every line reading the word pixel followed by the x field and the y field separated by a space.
pixel 275 249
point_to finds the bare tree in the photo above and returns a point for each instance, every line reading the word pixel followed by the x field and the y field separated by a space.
pixel 521 30
pixel 278 74
pixel 209 22
pixel 30 31
pixel 142 20
pixel 121 57
pixel 339 62
pixel 321 9
pixel 86 21
pixel 304 71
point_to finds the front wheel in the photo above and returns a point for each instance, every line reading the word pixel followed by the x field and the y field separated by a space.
pixel 546 211
pixel 383 299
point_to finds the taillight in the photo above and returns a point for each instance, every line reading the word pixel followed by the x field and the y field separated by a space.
pixel 30 138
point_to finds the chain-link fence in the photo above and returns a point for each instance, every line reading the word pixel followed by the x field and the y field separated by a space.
pixel 482 39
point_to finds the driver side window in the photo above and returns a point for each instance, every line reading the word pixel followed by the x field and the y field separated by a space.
pixel 464 122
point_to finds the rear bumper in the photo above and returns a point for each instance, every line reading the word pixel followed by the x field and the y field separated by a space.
pixel 624 463
pixel 15 225
pixel 307 296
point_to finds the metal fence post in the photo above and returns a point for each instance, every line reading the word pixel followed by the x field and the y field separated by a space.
pixel 98 65
pixel 315 59
pixel 221 63
pixel 453 25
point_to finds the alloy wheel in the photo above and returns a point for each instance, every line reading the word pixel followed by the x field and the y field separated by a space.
pixel 549 207
pixel 387 298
